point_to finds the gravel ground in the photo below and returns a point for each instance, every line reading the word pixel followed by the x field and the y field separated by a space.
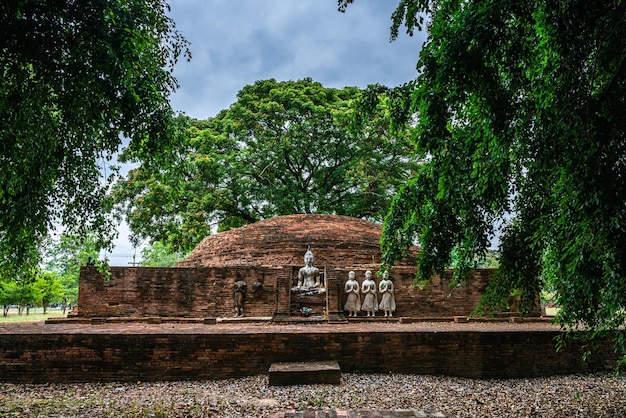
pixel 594 395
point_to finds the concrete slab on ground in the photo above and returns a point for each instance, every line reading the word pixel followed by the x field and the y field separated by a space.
pixel 305 373
pixel 360 413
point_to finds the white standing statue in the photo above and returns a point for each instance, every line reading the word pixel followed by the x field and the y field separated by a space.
pixel 353 304
pixel 387 299
pixel 370 301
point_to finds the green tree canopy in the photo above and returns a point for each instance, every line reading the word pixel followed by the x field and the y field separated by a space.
pixel 64 257
pixel 19 292
pixel 281 148
pixel 47 289
pixel 521 124
pixel 75 76
pixel 39 288
pixel 159 255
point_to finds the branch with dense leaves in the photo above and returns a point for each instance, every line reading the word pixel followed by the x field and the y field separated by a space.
pixel 76 77
pixel 520 109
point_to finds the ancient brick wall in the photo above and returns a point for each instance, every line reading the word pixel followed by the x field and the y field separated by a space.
pixel 174 292
pixel 207 292
pixel 436 299
pixel 106 356
pixel 271 252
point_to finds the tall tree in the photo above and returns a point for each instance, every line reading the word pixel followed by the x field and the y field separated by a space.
pixel 282 148
pixel 47 289
pixel 521 121
pixel 18 292
pixel 65 256
pixel 75 76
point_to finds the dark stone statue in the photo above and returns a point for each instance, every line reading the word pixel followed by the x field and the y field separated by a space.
pixel 239 295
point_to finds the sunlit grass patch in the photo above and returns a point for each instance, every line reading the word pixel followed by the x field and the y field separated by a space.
pixel 35 314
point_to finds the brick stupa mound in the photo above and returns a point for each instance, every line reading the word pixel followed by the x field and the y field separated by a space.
pixel 281 241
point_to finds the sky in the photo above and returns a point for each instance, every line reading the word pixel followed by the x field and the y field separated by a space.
pixel 237 42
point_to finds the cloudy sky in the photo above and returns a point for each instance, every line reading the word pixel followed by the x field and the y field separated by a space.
pixel 236 42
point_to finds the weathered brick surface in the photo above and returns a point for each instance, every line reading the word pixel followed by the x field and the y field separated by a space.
pixel 205 352
pixel 436 299
pixel 174 292
pixel 281 241
pixel 269 254
pixel 137 292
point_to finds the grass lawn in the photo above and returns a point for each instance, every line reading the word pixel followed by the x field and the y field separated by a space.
pixel 552 311
pixel 36 314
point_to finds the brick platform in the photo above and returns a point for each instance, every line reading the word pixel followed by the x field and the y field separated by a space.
pixel 180 351
pixel 305 373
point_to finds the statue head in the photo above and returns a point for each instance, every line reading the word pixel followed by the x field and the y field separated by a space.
pixel 368 275
pixel 308 257
pixel 351 275
pixel 386 274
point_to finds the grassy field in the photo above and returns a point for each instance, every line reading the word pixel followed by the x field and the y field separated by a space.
pixel 36 314
pixel 552 311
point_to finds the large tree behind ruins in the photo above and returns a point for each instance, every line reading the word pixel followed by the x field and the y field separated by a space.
pixel 282 148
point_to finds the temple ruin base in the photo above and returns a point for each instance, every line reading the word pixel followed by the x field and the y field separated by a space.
pixel 65 352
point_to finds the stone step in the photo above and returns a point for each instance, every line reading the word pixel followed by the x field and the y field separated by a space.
pixel 305 373
pixel 359 413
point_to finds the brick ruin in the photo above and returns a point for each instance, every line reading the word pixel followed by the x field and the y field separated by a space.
pixel 267 256
pixel 132 352
pixel 125 327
